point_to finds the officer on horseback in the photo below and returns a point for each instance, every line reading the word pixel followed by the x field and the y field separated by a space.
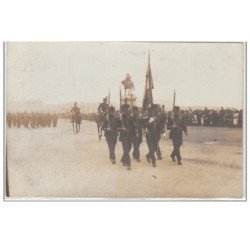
pixel 103 107
pixel 76 117
pixel 74 110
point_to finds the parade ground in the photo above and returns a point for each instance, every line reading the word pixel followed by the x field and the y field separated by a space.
pixel 55 162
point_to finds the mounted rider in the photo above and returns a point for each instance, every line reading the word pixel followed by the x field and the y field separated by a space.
pixel 75 111
pixel 103 107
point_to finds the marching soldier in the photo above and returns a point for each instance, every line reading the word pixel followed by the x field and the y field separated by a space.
pixel 110 126
pixel 136 133
pixel 125 134
pixel 126 140
pixel 125 108
pixel 161 118
pixel 177 126
pixel 151 135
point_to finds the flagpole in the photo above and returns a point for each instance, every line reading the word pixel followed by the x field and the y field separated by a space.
pixel 174 100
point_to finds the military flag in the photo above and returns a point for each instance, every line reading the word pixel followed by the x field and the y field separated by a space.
pixel 149 85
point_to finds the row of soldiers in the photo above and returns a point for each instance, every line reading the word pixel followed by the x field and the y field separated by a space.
pixel 225 117
pixel 214 118
pixel 129 124
pixel 33 119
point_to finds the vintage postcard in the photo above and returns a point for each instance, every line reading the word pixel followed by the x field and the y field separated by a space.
pixel 125 120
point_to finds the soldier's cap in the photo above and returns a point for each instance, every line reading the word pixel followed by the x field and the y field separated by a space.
pixel 111 108
pixel 75 103
pixel 155 106
pixel 105 99
pixel 176 108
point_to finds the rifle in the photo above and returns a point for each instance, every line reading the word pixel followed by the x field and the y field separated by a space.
pixel 120 99
pixel 174 101
pixel 108 111
pixel 123 128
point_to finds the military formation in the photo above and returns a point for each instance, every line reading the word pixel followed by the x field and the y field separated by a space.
pixel 32 120
pixel 129 124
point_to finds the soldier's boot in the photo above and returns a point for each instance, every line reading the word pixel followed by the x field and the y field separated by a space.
pixel 159 157
pixel 148 158
pixel 179 162
pixel 128 166
pixel 134 157
pixel 173 157
pixel 154 165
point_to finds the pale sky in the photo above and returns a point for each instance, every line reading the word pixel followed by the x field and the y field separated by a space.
pixel 203 74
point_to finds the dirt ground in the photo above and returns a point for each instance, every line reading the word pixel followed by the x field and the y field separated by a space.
pixel 54 162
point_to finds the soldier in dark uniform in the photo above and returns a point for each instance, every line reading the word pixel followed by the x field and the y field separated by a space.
pixel 126 134
pixel 177 126
pixel 161 118
pixel 103 107
pixel 151 134
pixel 126 140
pixel 136 133
pixel 125 108
pixel 110 126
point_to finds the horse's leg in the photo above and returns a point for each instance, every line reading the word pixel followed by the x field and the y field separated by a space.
pixel 78 127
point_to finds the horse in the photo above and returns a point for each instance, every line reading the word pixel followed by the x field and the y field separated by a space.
pixel 76 122
pixel 99 122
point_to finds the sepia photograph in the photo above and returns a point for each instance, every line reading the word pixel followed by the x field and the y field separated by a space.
pixel 115 121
